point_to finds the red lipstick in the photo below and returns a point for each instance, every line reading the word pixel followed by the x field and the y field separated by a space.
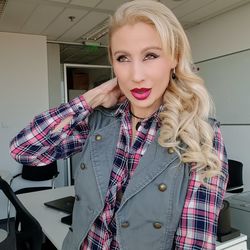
pixel 140 94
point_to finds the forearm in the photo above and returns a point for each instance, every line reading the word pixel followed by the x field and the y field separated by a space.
pixel 61 132
pixel 40 143
pixel 92 97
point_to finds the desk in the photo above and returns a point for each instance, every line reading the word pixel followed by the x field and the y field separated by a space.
pixel 238 243
pixel 50 219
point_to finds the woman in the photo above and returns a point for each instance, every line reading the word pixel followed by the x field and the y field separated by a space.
pixel 153 166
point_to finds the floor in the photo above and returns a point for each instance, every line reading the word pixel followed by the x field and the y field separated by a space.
pixel 9 243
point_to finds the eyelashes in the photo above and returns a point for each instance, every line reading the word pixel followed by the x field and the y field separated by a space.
pixel 122 58
pixel 148 56
pixel 151 56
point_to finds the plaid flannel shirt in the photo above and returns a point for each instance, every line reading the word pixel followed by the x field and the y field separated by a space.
pixel 37 145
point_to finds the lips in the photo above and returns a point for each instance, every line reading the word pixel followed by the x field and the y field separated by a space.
pixel 141 93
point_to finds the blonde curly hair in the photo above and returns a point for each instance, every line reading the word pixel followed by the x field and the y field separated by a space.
pixel 186 102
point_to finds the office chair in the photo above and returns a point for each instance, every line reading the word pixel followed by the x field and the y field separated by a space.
pixel 235 180
pixel 37 173
pixel 29 234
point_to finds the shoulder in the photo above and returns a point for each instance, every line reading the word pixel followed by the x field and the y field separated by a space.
pixel 213 122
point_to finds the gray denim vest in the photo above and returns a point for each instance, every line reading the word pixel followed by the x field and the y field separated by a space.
pixel 152 204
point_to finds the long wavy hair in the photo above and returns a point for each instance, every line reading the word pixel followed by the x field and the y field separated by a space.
pixel 186 102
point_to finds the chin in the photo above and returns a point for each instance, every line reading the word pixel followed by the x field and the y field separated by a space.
pixel 148 103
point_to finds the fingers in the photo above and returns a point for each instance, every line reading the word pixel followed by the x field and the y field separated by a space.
pixel 121 99
pixel 110 84
pixel 116 91
pixel 111 93
pixel 119 94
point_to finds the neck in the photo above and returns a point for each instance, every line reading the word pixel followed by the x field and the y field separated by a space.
pixel 137 117
pixel 142 113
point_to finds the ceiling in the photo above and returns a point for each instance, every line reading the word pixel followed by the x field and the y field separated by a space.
pixel 75 21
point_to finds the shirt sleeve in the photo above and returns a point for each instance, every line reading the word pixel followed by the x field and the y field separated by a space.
pixel 198 224
pixel 38 145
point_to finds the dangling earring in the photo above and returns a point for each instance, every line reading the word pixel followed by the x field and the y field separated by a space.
pixel 173 74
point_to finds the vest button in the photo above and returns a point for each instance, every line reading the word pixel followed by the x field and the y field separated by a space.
pixel 170 150
pixel 77 198
pixel 82 166
pixel 98 137
pixel 157 225
pixel 125 224
pixel 162 187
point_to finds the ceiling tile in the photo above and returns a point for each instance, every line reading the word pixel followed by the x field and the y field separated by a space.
pixel 62 23
pixel 103 40
pixel 60 1
pixel 85 3
pixel 173 4
pixel 15 15
pixel 213 9
pixel 50 17
pixel 83 26
pixel 37 22
pixel 110 4
pixel 191 6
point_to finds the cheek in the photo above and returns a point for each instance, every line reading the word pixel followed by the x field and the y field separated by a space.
pixel 165 73
pixel 120 79
pixel 162 77
pixel 117 70
pixel 121 75
pixel 122 69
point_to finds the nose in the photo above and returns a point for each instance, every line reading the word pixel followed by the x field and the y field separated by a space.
pixel 137 72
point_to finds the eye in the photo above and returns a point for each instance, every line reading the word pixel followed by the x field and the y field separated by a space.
pixel 122 58
pixel 150 56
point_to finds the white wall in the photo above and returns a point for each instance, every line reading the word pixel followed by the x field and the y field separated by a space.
pixel 24 90
pixel 221 35
pixel 55 97
pixel 225 34
pixel 54 74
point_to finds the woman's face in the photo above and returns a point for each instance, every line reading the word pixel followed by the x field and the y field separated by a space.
pixel 141 66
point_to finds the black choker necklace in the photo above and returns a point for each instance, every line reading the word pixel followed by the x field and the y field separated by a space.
pixel 140 118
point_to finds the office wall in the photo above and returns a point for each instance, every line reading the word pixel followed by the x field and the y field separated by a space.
pixel 56 93
pixel 222 35
pixel 223 76
pixel 24 90
pixel 54 74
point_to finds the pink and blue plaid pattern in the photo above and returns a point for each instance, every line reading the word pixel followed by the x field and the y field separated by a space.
pixel 102 234
pixel 198 224
pixel 37 145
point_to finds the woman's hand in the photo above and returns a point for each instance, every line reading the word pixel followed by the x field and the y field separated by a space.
pixel 111 93
pixel 107 95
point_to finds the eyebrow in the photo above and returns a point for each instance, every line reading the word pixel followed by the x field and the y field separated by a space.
pixel 145 49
